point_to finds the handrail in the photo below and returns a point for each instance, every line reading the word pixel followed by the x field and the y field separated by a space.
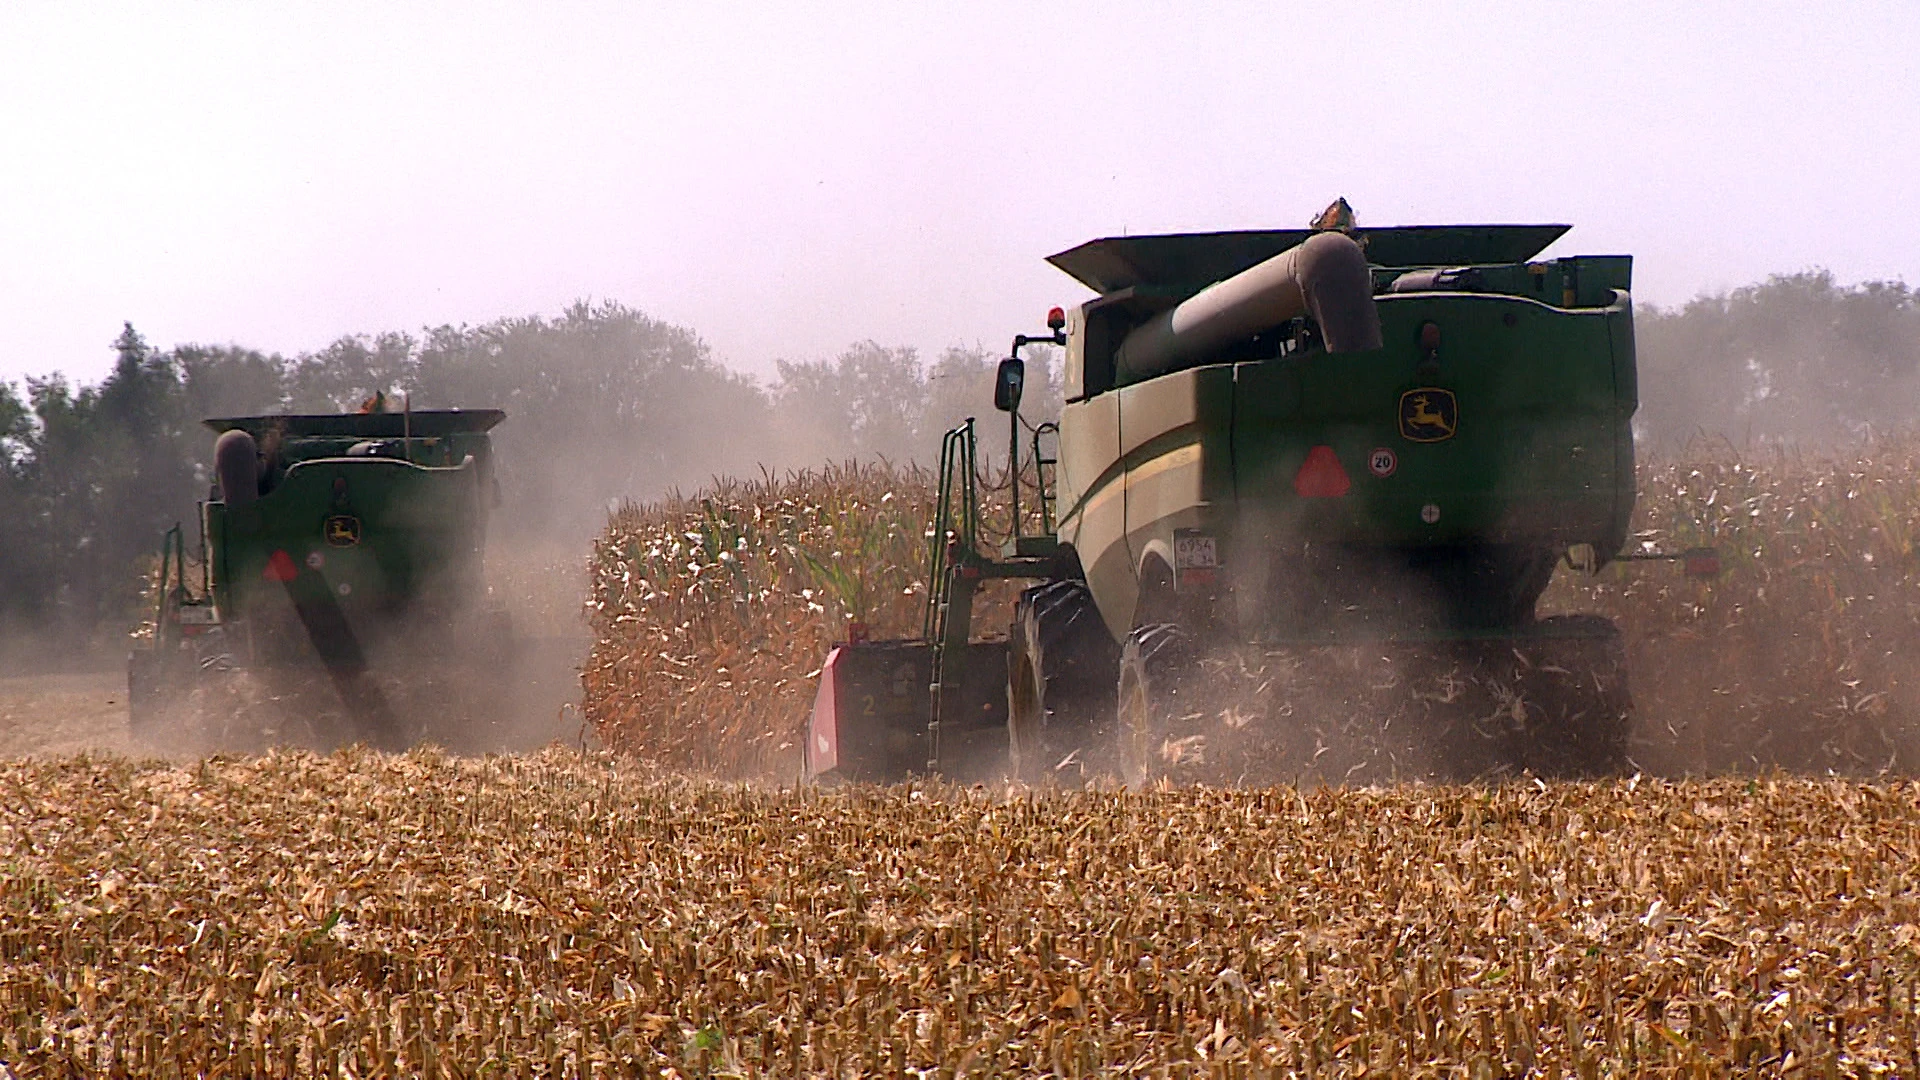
pixel 953 545
pixel 173 569
pixel 955 528
pixel 1041 463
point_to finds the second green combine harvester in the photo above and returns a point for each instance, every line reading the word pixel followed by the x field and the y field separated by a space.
pixel 341 592
pixel 1309 486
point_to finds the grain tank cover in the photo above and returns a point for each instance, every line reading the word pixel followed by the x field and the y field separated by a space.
pixel 1195 259
pixel 421 424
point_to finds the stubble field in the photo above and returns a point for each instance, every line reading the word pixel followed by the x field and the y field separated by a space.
pixel 560 915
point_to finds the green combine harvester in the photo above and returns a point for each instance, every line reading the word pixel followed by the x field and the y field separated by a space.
pixel 1293 523
pixel 341 593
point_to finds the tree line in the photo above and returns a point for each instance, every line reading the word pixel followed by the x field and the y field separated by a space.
pixel 1796 359
pixel 606 403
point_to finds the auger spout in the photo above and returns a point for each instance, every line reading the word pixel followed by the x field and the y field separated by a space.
pixel 1325 277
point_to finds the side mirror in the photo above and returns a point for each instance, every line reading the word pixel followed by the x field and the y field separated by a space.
pixel 1008 382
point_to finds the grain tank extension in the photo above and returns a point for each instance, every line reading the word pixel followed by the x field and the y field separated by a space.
pixel 1308 488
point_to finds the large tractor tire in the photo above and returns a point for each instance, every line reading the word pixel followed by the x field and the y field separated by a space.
pixel 1578 711
pixel 146 693
pixel 1060 673
pixel 1158 688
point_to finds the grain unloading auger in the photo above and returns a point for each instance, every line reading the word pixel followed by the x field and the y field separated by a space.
pixel 341 593
pixel 1309 486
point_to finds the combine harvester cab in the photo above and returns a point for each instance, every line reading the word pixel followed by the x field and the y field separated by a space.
pixel 341 591
pixel 1309 487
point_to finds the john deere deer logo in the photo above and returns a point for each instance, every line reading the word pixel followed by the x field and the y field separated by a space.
pixel 342 530
pixel 1428 414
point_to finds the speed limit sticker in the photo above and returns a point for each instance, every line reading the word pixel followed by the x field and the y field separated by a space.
pixel 1382 462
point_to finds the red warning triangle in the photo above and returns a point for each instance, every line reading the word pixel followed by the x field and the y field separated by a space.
pixel 280 567
pixel 1320 476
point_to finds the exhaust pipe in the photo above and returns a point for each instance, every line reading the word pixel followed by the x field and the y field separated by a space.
pixel 1325 277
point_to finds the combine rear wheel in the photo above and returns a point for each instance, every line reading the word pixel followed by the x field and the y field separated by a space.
pixel 1573 706
pixel 1060 665
pixel 1158 697
pixel 146 677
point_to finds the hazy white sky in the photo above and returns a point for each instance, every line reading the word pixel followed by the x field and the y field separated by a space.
pixel 787 179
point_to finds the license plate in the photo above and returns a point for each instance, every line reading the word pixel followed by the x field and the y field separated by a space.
pixel 196 616
pixel 1194 551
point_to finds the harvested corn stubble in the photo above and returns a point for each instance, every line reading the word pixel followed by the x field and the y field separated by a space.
pixel 363 915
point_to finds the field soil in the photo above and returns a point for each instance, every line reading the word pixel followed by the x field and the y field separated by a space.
pixel 43 715
pixel 70 712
